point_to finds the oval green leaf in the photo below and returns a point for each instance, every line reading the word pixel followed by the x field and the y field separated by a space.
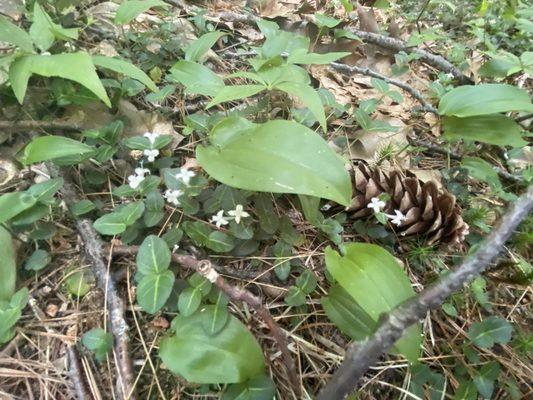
pixel 282 157
pixel 153 256
pixel 45 148
pixel 8 266
pixel 125 68
pixel 154 290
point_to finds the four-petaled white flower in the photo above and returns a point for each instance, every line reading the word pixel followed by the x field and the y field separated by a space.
pixel 238 213
pixel 398 218
pixel 219 219
pixel 376 204
pixel 135 180
pixel 185 175
pixel 172 196
pixel 151 154
pixel 151 136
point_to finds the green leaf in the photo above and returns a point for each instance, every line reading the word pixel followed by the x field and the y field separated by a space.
pixel 484 99
pixel 131 212
pixel 189 300
pixel 282 157
pixel 79 283
pixel 200 46
pixel 306 282
pixel 197 356
pixel 258 388
pixel 45 148
pixel 490 331
pixel 326 21
pixel 12 204
pixel 197 231
pixel 499 68
pixel 77 67
pixel 125 68
pixel 129 10
pixel 229 93
pixel 196 78
pixel 308 96
pixel 494 129
pixel 484 381
pixel 110 224
pixel 295 297
pixel 44 192
pixel 375 280
pixel 154 290
pixel 82 207
pixel 38 260
pixel 220 242
pixel 99 341
pixel 303 57
pixel 8 266
pixel 215 319
pixel 153 256
pixel 44 31
pixel 12 34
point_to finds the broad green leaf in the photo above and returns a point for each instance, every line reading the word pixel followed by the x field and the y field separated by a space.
pixel 484 99
pixel 79 283
pixel 200 46
pixel 82 207
pixel 110 224
pixel 311 209
pixel 131 212
pixel 375 280
pixel 282 157
pixel 44 31
pixel 490 331
pixel 295 297
pixel 484 381
pixel 499 68
pixel 346 314
pixel 38 260
pixel 8 266
pixel 303 57
pixel 326 21
pixel 99 341
pixel 12 34
pixel 306 282
pixel 12 204
pixel 45 148
pixel 197 356
pixel 129 10
pixel 230 93
pixel 215 319
pixel 220 242
pixel 227 130
pixel 154 290
pixel 125 68
pixel 196 78
pixel 309 98
pixel 189 300
pixel 258 388
pixel 44 192
pixel 31 215
pixel 494 129
pixel 153 256
pixel 198 232
pixel 77 67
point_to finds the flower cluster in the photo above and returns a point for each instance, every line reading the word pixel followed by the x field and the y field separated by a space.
pixel 172 196
pixel 377 205
pixel 219 219
pixel 135 180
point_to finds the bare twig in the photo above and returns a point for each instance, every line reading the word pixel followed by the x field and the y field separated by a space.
pixel 361 355
pixel 94 253
pixel 347 69
pixel 210 272
pixel 434 148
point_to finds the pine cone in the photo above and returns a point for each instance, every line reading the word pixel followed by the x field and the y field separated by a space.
pixel 427 210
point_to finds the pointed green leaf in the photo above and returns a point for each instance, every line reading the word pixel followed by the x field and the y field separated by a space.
pixel 12 34
pixel 200 46
pixel 125 68
pixel 189 300
pixel 129 10
pixel 490 331
pixel 196 78
pixel 8 266
pixel 110 224
pixel 230 93
pixel 154 290
pixel 45 148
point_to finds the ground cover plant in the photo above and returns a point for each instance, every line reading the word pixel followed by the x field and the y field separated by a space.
pixel 265 200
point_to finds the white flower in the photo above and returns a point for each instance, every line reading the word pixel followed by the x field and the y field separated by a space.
pixel 141 171
pixel 151 136
pixel 238 213
pixel 396 219
pixel 376 204
pixel 151 154
pixel 219 219
pixel 135 180
pixel 172 196
pixel 175 248
pixel 185 175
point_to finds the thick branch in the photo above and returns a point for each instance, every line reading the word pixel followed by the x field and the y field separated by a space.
pixel 361 355
pixel 94 253
pixel 38 125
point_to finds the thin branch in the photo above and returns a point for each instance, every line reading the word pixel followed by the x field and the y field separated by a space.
pixel 94 253
pixel 236 294
pixel 435 148
pixel 361 355
pixel 347 69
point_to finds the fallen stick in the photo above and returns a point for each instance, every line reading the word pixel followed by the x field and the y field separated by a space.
pixel 361 355
pixel 94 253
pixel 209 271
